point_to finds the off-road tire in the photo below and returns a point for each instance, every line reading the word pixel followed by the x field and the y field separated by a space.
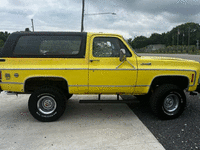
pixel 47 104
pixel 144 98
pixel 68 96
pixel 168 101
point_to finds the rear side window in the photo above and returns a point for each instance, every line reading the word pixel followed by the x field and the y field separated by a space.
pixel 48 45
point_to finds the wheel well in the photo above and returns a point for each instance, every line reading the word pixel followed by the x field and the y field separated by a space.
pixel 32 84
pixel 181 81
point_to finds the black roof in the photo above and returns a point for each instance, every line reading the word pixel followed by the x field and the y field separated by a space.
pixel 13 38
pixel 48 33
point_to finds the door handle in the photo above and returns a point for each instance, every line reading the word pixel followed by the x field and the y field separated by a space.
pixel 145 64
pixel 91 60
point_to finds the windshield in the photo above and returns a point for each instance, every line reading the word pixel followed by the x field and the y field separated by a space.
pixel 131 48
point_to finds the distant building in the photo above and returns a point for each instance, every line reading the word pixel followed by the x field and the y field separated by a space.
pixel 154 47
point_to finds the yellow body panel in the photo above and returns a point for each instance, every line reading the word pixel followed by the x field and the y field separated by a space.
pixel 74 71
pixel 161 66
pixel 107 75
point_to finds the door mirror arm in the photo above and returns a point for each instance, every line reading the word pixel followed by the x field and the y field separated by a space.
pixel 122 55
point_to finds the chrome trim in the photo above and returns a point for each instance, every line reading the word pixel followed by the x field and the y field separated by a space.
pixel 130 64
pixel 46 104
pixel 11 83
pixel 46 69
pixel 145 64
pixel 119 64
pixel 111 85
pixel 91 69
pixel 142 86
pixel 169 69
pixel 123 62
pixel 111 69
pixel 194 78
pixel 77 85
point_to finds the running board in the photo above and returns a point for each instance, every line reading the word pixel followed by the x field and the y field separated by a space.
pixel 106 101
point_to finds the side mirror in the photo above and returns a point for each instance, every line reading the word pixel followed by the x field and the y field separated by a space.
pixel 122 55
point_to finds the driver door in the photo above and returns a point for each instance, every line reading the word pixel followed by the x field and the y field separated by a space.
pixel 107 74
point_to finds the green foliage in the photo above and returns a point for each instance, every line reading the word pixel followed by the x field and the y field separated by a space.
pixel 3 37
pixel 139 42
pixel 172 37
pixel 1 43
pixel 180 49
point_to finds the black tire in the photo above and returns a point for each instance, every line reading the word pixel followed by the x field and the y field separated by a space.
pixel 65 92
pixel 54 100
pixel 143 98
pixel 168 101
pixel 68 96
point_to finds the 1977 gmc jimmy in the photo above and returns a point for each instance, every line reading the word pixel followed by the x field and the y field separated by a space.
pixel 51 66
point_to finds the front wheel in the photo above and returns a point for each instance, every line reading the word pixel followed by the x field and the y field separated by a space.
pixel 168 101
pixel 47 104
pixel 68 96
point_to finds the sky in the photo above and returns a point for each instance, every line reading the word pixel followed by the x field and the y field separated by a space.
pixel 133 17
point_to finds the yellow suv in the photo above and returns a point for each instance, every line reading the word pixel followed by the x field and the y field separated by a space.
pixel 51 66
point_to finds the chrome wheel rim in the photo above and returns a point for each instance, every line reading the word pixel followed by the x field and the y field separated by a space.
pixel 46 105
pixel 171 103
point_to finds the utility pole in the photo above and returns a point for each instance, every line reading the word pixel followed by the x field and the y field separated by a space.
pixel 183 38
pixel 189 37
pixel 197 45
pixel 178 37
pixel 32 25
pixel 83 10
pixel 83 15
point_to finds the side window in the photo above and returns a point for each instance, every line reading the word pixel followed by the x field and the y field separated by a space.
pixel 64 46
pixel 48 45
pixel 108 47
pixel 27 45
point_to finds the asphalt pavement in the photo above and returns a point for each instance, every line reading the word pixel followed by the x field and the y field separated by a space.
pixel 182 133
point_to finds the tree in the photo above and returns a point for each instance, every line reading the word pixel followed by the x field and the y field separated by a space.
pixel 155 38
pixel 140 42
pixel 1 43
pixel 183 34
pixel 3 38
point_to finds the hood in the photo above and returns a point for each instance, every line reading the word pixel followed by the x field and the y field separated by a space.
pixel 166 58
pixel 154 62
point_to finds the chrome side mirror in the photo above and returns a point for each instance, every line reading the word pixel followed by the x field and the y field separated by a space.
pixel 122 55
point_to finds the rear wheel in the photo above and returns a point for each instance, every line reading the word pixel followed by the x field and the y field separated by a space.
pixel 47 104
pixel 168 101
